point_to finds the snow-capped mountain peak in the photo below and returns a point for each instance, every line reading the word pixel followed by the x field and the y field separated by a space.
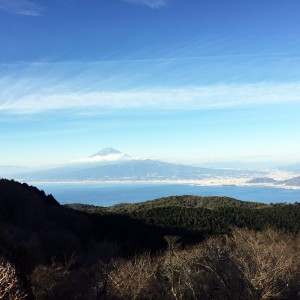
pixel 107 151
pixel 105 155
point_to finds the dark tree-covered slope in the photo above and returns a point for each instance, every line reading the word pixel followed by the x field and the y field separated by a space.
pixel 187 201
pixel 34 223
pixel 38 237
pixel 205 215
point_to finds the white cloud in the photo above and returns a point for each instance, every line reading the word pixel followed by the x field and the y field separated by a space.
pixel 30 8
pixel 21 7
pixel 204 97
pixel 102 159
pixel 88 88
pixel 149 3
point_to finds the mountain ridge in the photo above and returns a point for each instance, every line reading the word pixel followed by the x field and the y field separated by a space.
pixel 294 181
pixel 131 169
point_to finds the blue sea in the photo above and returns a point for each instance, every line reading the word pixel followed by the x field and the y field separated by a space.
pixel 111 194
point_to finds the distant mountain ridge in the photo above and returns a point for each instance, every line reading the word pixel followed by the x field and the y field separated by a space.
pixel 8 170
pixel 262 180
pixel 110 164
pixel 295 181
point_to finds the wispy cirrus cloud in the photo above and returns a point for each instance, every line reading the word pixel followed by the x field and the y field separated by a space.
pixel 32 101
pixel 90 87
pixel 150 3
pixel 21 7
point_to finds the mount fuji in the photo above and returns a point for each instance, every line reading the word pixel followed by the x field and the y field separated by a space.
pixel 110 164
pixel 107 154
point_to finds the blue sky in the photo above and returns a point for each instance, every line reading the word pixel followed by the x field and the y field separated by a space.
pixel 188 81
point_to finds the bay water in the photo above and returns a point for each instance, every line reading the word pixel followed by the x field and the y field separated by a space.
pixel 110 193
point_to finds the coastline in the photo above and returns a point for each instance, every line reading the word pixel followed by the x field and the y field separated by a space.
pixel 207 182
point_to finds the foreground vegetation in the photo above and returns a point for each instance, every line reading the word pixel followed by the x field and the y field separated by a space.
pixel 171 248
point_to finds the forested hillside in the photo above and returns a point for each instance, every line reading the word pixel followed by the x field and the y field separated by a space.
pixel 180 247
pixel 206 215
